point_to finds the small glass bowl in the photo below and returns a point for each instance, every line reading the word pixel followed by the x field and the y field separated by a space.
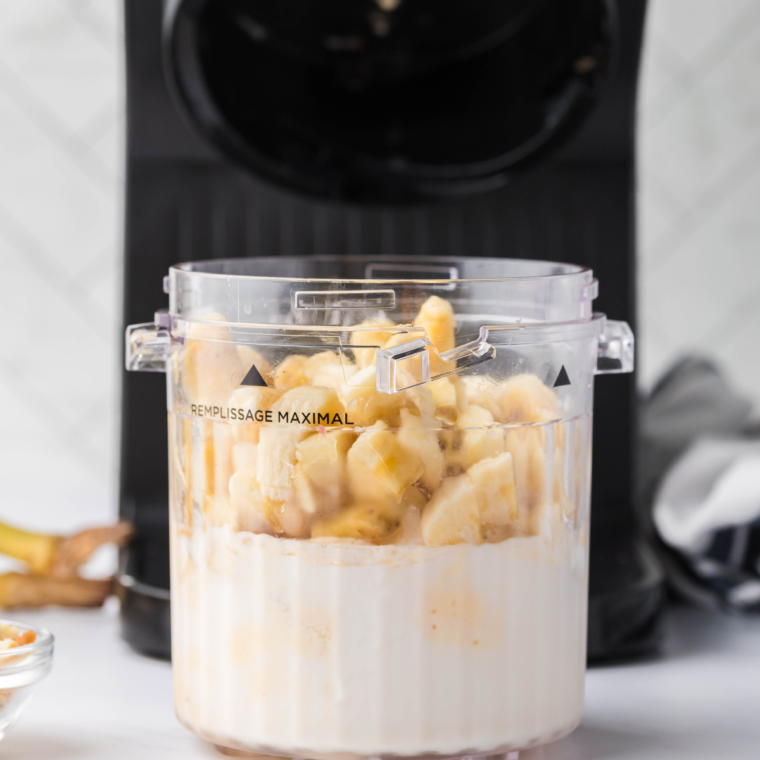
pixel 20 670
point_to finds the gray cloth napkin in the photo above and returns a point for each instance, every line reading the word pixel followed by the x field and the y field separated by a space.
pixel 700 475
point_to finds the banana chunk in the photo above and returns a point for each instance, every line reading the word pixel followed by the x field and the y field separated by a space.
pixel 290 372
pixel 320 471
pixel 218 511
pixel 371 522
pixel 247 503
pixel 411 366
pixel 369 337
pixel 250 404
pixel 201 460
pixel 527 445
pixel 494 482
pixel 244 456
pixel 209 366
pixel 452 516
pixel 448 395
pixel 379 466
pixel 419 436
pixel 222 441
pixel 436 317
pixel 365 406
pixel 478 441
pixel 412 504
pixel 328 370
pixel 279 440
pixel 524 398
pixel 482 390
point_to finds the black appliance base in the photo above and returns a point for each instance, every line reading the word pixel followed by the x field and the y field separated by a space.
pixel 626 598
pixel 145 617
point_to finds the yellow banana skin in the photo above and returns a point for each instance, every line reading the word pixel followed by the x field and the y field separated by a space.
pixel 36 550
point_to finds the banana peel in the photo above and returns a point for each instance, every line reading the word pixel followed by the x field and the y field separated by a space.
pixel 53 562
pixel 58 556
pixel 21 590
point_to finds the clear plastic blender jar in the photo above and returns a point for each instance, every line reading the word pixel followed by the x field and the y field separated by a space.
pixel 380 475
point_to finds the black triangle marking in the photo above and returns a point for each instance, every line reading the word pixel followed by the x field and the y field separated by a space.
pixel 254 378
pixel 562 378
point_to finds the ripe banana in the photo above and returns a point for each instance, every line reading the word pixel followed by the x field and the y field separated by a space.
pixel 59 556
pixel 53 562
pixel 19 590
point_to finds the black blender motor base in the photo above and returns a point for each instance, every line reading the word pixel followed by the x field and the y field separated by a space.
pixel 562 179
pixel 626 599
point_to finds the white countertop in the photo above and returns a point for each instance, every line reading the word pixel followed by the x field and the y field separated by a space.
pixel 700 701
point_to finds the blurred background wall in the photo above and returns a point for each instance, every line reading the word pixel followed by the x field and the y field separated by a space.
pixel 61 174
pixel 61 170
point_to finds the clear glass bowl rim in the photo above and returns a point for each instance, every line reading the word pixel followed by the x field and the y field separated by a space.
pixel 43 645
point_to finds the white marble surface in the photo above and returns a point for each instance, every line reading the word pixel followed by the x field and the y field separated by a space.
pixel 699 701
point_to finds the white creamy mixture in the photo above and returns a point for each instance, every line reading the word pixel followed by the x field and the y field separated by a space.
pixel 325 649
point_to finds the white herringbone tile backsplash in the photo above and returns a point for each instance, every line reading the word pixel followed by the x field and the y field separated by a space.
pixel 61 157
pixel 699 188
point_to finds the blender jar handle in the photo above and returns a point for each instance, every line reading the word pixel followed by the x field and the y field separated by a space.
pixel 150 344
pixel 463 357
pixel 616 349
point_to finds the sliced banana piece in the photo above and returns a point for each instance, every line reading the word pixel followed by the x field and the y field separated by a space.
pixel 448 397
pixel 278 441
pixel 527 445
pixel 251 403
pixel 479 440
pixel 201 460
pixel 247 503
pixel 320 471
pixel 370 521
pixel 365 406
pixel 290 372
pixel 436 317
pixel 218 511
pixel 372 336
pixel 494 482
pixel 379 466
pixel 482 390
pixel 244 456
pixel 328 370
pixel 452 516
pixel 209 365
pixel 222 442
pixel 524 398
pixel 419 436
pixel 413 503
